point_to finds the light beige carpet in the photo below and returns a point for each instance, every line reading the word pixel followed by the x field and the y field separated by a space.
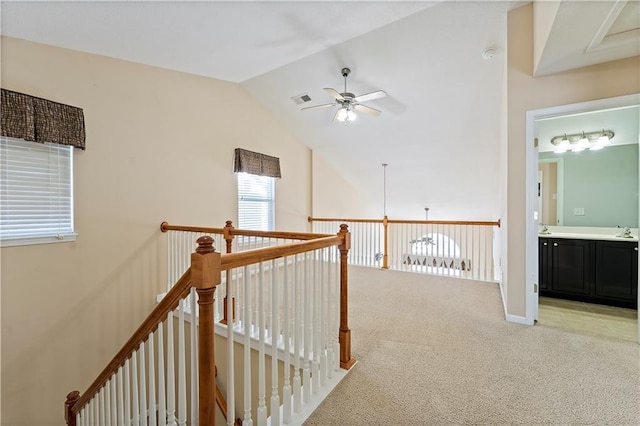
pixel 437 351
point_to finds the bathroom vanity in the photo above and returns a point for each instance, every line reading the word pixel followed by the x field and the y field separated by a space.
pixel 594 268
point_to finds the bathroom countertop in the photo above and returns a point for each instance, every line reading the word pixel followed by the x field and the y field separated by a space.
pixel 583 236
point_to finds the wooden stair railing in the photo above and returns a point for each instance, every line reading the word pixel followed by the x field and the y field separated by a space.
pixel 204 275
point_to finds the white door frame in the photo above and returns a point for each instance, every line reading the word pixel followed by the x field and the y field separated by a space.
pixel 531 174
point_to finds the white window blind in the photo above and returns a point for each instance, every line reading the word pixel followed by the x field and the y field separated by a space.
pixel 36 192
pixel 255 202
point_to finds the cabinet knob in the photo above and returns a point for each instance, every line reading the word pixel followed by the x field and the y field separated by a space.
pixel 635 248
pixel 544 244
pixel 555 244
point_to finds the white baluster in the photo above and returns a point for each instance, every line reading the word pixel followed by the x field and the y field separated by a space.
pixel 336 327
pixel 247 421
pixel 297 335
pixel 134 389
pixel 162 405
pixel 182 369
pixel 308 328
pixel 92 412
pixel 152 381
pixel 323 326
pixel 107 402
pixel 143 385
pixel 286 389
pixel 315 366
pixel 275 397
pixel 169 259
pixel 262 407
pixel 120 398
pixel 80 418
pixel 171 378
pixel 231 411
pixel 127 393
pixel 113 400
pixel 193 352
pixel 101 409
pixel 330 298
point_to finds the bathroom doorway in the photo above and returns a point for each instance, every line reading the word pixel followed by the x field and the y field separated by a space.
pixel 557 205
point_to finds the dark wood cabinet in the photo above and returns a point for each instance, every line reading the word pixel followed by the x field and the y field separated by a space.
pixel 616 270
pixel 572 266
pixel 595 271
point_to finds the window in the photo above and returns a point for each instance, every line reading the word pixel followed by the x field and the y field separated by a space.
pixel 255 202
pixel 36 192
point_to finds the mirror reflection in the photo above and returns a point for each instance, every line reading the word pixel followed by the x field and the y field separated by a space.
pixel 589 175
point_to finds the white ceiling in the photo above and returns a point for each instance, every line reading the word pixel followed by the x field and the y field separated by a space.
pixel 440 120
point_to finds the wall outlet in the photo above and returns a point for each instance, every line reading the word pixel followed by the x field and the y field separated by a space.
pixel 578 211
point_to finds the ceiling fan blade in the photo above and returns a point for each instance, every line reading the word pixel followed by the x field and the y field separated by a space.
pixel 370 96
pixel 334 93
pixel 317 106
pixel 367 110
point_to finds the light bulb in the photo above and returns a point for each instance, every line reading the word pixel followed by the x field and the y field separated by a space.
pixel 581 145
pixel 342 114
pixel 351 116
pixel 604 140
pixel 563 146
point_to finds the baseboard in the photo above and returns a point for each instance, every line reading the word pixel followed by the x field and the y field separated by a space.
pixel 517 319
pixel 511 318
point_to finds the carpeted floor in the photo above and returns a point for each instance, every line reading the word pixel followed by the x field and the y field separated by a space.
pixel 437 351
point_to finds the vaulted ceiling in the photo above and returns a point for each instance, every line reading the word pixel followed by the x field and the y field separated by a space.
pixel 442 113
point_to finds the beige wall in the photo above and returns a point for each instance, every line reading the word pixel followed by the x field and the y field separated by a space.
pixel 334 197
pixel 159 147
pixel 527 93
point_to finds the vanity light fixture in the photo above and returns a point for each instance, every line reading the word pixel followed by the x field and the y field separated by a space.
pixel 577 142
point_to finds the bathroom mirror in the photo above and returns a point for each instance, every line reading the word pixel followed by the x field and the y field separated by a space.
pixel 591 188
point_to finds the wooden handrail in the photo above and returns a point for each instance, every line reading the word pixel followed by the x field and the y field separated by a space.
pixel 408 221
pixel 168 303
pixel 330 219
pixel 243 258
pixel 278 234
pixel 164 227
pixel 446 222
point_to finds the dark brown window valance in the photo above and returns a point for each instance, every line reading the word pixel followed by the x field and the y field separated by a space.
pixel 39 120
pixel 256 163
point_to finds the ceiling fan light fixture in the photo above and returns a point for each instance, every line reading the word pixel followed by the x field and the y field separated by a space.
pixel 349 103
pixel 342 115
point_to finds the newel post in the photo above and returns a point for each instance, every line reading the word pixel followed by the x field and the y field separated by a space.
pixel 205 276
pixel 228 237
pixel 385 255
pixel 226 232
pixel 69 415
pixel 346 361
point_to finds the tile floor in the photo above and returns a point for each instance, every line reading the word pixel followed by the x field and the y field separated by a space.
pixel 580 317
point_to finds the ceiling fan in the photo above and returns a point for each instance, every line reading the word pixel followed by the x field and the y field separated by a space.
pixel 349 102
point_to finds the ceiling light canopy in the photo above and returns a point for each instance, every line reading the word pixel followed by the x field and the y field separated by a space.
pixel 577 142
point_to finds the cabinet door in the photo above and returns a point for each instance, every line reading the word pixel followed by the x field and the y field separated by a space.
pixel 544 276
pixel 571 266
pixel 616 270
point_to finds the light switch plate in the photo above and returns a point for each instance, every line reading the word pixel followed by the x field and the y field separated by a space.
pixel 578 211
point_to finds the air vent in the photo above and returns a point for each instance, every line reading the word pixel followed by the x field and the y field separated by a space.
pixel 300 99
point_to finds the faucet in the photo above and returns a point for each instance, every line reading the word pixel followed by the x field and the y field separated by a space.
pixel 545 229
pixel 626 231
